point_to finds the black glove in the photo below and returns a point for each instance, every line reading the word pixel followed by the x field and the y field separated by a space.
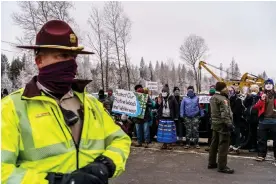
pixel 230 127
pixel 76 177
pixel 103 167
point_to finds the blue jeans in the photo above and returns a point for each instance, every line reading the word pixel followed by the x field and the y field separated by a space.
pixel 140 129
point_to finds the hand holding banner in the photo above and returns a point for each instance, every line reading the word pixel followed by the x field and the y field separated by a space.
pixel 130 103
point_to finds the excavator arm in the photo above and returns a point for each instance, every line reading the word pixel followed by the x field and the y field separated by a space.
pixel 203 64
pixel 246 80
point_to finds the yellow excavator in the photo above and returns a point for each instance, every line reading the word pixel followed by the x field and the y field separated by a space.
pixel 246 80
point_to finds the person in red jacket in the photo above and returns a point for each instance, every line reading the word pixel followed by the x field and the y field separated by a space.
pixel 266 107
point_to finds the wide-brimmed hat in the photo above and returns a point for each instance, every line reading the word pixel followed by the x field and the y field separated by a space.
pixel 57 34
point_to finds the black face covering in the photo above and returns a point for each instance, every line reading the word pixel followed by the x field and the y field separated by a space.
pixel 58 77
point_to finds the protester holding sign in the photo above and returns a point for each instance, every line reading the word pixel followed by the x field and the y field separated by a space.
pixel 142 125
pixel 168 113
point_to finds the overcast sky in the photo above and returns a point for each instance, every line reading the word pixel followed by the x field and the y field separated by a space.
pixel 243 30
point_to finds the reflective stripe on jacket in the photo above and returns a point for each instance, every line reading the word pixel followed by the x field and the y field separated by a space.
pixel 36 140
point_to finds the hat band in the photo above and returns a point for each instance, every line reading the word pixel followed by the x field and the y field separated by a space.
pixel 61 47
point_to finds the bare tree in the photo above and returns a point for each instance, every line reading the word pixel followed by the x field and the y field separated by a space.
pixel 191 52
pixel 107 48
pixel 33 14
pixel 96 39
pixel 125 38
pixel 113 12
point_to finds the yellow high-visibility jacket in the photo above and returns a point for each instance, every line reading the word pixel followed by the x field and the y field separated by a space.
pixel 36 140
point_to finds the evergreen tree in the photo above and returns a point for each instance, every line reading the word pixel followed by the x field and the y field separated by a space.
pixel 15 68
pixel 237 73
pixel 151 72
pixel 5 65
pixel 6 83
pixel 264 75
pixel 142 69
pixel 29 69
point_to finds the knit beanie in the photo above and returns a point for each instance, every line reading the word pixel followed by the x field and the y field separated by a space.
pixel 220 86
pixel 176 88
pixel 191 87
pixel 101 92
pixel 166 88
pixel 138 86
pixel 269 81
pixel 212 91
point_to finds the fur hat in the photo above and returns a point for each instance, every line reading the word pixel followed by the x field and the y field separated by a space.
pixel 220 86
pixel 166 88
pixel 254 88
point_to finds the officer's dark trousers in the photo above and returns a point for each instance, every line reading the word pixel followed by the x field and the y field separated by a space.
pixel 209 133
pixel 263 132
pixel 219 146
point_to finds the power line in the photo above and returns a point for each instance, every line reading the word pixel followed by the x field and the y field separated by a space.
pixel 9 51
pixel 9 42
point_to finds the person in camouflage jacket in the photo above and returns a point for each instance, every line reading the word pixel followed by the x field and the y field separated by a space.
pixel 222 126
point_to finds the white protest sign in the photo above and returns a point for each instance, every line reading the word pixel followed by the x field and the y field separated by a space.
pixel 204 99
pixel 130 103
pixel 153 86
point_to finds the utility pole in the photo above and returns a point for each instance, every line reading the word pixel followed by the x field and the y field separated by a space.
pixel 221 71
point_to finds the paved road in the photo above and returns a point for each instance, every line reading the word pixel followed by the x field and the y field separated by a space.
pixel 150 166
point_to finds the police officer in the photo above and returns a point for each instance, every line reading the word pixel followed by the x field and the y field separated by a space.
pixel 52 130
pixel 222 125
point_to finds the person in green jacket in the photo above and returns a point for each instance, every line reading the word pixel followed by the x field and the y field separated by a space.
pixel 222 126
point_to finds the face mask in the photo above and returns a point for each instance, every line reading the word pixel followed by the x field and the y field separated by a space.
pixel 58 77
pixel 190 93
pixel 253 93
pixel 140 90
pixel 164 94
pixel 177 93
pixel 268 87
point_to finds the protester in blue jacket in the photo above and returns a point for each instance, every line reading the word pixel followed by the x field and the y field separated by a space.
pixel 191 112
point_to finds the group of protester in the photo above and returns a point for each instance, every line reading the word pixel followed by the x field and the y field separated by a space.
pixel 167 110
pixel 168 115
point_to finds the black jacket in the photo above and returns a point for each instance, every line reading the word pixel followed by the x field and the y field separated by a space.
pixel 236 106
pixel 249 103
pixel 173 105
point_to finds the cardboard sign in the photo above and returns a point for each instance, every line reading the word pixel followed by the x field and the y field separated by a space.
pixel 153 86
pixel 130 103
pixel 204 99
